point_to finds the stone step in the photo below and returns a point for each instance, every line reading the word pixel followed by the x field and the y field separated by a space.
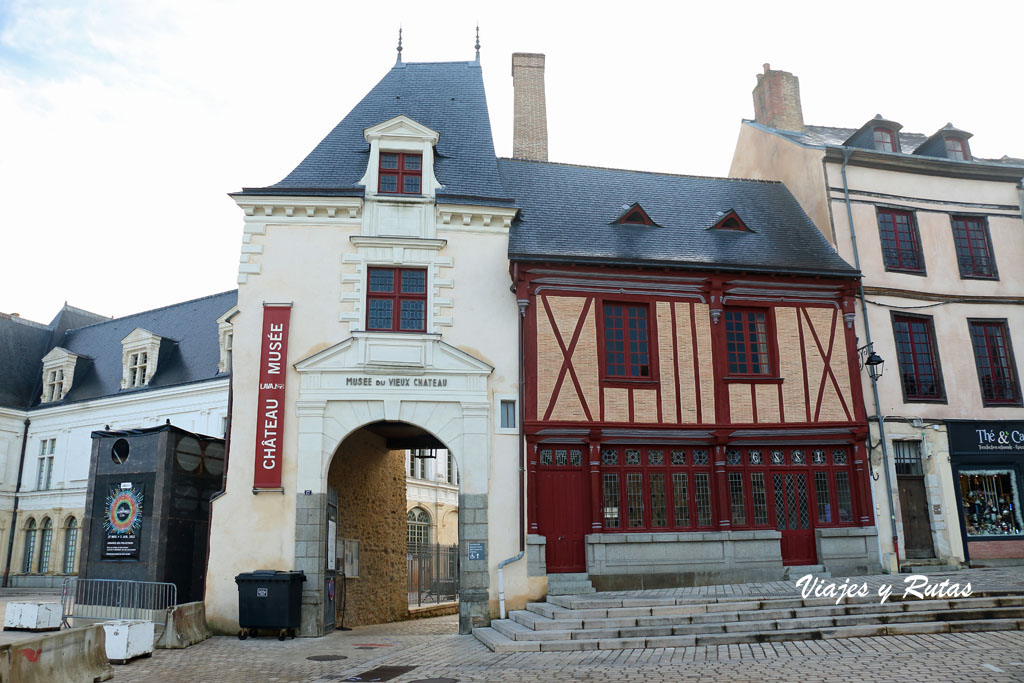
pixel 927 568
pixel 571 589
pixel 500 643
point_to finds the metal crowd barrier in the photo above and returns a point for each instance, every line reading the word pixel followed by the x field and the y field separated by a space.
pixel 104 599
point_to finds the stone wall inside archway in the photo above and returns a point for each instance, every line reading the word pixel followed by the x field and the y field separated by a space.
pixel 370 481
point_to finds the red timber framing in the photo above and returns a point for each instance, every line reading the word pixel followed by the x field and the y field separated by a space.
pixel 690 447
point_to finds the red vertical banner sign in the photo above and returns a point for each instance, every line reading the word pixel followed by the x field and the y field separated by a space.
pixel 270 409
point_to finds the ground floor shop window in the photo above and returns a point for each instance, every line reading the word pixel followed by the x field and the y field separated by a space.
pixel 991 502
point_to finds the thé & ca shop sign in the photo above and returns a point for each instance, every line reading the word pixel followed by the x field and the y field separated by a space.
pixel 270 409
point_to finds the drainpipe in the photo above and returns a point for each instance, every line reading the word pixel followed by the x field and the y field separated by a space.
pixel 14 511
pixel 523 303
pixel 874 384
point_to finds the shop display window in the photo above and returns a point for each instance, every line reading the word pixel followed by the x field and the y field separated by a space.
pixel 991 502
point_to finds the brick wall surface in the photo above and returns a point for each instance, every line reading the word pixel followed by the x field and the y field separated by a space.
pixel 767 403
pixel 616 405
pixel 566 311
pixel 777 100
pixel 645 405
pixel 665 362
pixel 791 367
pixel 687 377
pixel 702 321
pixel 529 127
pixel 370 481
pixel 741 407
pixel 980 550
pixel 549 359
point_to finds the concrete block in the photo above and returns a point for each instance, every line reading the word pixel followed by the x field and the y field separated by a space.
pixel 186 625
pixel 127 639
pixel 76 654
pixel 33 616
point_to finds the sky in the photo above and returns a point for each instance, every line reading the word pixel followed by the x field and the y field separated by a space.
pixel 126 123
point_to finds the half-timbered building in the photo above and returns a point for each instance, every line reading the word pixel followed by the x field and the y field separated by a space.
pixel 692 412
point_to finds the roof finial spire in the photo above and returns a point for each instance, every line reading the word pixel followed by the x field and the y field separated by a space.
pixel 399 60
pixel 478 41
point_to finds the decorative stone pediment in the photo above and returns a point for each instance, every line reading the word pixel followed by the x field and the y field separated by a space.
pixel 391 366
pixel 401 128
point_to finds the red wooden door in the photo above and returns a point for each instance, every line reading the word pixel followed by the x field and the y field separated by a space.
pixel 793 518
pixel 563 509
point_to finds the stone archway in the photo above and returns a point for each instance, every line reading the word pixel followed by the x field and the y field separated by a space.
pixel 416 380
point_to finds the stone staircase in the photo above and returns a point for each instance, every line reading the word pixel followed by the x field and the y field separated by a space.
pixel 622 622
pixel 569 584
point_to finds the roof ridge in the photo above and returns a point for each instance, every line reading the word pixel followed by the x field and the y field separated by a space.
pixel 24 321
pixel 153 310
pixel 69 307
pixel 630 170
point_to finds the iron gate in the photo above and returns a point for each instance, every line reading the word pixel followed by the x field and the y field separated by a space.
pixel 433 573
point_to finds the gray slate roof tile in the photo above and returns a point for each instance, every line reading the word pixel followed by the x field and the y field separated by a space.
pixel 568 212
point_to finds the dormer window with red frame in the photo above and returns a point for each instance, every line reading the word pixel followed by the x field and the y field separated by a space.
pixel 634 215
pixel 748 348
pixel 884 140
pixel 400 173
pixel 396 300
pixel 730 220
pixel 956 148
pixel 626 342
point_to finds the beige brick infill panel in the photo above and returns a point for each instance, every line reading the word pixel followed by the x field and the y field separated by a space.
pixel 549 359
pixel 687 381
pixel 767 402
pixel 790 364
pixel 704 354
pixel 585 363
pixel 645 405
pixel 616 405
pixel 831 406
pixel 815 364
pixel 740 407
pixel 841 369
pixel 665 362
pixel 566 311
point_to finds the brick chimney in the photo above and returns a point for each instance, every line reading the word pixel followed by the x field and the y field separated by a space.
pixel 777 100
pixel 530 119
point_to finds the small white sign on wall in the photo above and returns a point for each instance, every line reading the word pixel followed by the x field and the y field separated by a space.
pixel 332 544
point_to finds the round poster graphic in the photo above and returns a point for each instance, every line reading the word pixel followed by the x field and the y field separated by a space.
pixel 124 511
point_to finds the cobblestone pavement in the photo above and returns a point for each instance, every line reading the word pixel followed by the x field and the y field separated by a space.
pixel 431 646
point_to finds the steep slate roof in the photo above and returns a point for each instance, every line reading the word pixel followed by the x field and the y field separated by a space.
pixel 445 96
pixel 191 356
pixel 568 211
pixel 23 344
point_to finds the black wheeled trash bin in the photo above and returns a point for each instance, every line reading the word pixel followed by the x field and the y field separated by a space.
pixel 269 600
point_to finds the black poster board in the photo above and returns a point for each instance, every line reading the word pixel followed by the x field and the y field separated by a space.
pixel 122 521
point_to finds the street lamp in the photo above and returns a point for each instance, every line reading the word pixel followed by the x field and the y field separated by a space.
pixel 874 365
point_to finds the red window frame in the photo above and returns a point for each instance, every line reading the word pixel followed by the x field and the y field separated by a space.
pixel 397 296
pixel 737 356
pixel 956 148
pixel 626 332
pixel 406 168
pixel 884 140
pixel 918 356
pixel 901 242
pixel 973 247
pixel 993 357
pixel 667 468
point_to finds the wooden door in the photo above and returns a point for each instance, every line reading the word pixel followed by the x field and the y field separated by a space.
pixel 917 530
pixel 793 518
pixel 563 509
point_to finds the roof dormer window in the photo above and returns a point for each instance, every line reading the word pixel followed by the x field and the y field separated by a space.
pixel 400 173
pixel 58 374
pixel 730 221
pixel 885 140
pixel 140 353
pixel 956 148
pixel 137 364
pixel 634 214
pixel 54 385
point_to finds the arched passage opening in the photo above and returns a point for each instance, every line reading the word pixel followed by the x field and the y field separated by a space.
pixel 379 475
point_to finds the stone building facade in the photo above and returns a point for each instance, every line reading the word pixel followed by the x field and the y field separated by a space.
pixel 937 233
